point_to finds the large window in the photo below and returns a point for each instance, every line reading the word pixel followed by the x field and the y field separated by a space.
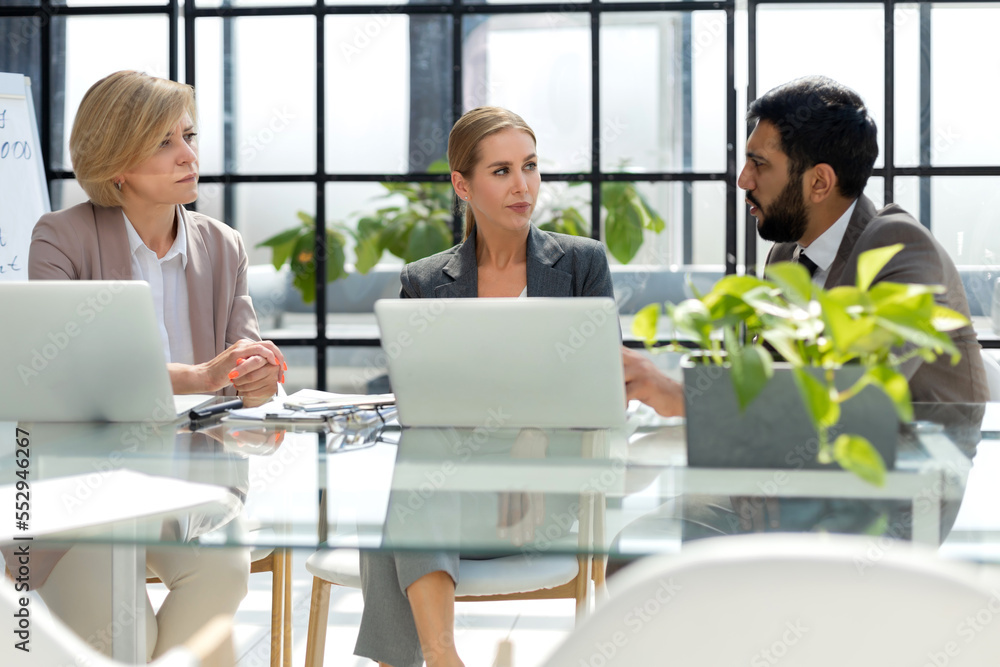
pixel 311 107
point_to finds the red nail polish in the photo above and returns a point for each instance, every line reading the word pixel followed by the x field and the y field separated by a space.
pixel 233 375
pixel 284 365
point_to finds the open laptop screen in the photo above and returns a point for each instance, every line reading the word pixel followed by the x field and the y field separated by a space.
pixel 82 350
pixel 542 362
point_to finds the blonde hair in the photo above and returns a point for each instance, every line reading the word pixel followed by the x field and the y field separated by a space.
pixel 121 122
pixel 464 140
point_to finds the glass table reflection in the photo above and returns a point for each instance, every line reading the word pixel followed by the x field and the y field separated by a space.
pixel 492 492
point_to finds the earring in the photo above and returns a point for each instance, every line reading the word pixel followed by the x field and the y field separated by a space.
pixel 118 185
pixel 466 199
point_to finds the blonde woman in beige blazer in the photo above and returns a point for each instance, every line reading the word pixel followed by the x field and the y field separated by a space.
pixel 135 154
pixel 90 242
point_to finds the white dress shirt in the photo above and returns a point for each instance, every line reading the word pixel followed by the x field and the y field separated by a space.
pixel 168 283
pixel 824 249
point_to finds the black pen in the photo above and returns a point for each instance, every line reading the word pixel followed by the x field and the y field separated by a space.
pixel 212 410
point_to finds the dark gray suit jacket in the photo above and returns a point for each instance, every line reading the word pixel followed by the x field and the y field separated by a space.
pixel 558 265
pixel 922 261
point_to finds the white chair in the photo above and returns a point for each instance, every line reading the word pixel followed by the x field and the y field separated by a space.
pixel 992 367
pixel 52 643
pixel 507 578
pixel 816 600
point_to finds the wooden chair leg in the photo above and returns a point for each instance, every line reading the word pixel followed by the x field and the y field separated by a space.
pixel 583 589
pixel 319 614
pixel 286 643
pixel 600 583
pixel 277 609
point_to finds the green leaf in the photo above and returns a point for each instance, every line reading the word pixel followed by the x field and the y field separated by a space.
pixel 334 256
pixel 644 324
pixel 656 223
pixel 612 194
pixel 567 221
pixel 793 279
pixel 575 222
pixel 367 251
pixel 946 319
pixel 628 214
pixel 305 282
pixel 738 285
pixel 426 239
pixel 857 455
pixel 822 409
pixel 304 268
pixel 624 234
pixel 840 328
pixel 691 317
pixel 784 343
pixel 306 219
pixel 925 338
pixel 368 227
pixel 872 261
pixel 895 386
pixel 887 293
pixel 281 238
pixel 750 368
pixel 396 236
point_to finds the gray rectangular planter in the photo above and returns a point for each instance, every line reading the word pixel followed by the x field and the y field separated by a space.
pixel 775 430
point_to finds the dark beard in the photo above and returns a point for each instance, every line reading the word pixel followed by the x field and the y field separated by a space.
pixel 785 218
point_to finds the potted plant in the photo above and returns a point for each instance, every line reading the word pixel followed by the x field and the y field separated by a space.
pixel 628 214
pixel 296 246
pixel 841 350
pixel 417 228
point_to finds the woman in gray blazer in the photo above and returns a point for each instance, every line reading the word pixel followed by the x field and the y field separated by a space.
pixel 409 613
pixel 135 154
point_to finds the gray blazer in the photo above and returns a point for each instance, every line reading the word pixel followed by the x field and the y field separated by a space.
pixel 922 261
pixel 558 265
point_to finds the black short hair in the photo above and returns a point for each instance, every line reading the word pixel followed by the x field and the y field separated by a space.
pixel 821 120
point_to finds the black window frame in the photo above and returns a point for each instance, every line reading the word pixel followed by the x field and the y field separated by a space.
pixel 50 71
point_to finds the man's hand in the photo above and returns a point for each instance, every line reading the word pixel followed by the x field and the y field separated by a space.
pixel 644 382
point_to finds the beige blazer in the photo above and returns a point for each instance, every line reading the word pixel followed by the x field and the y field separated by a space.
pixel 923 262
pixel 88 242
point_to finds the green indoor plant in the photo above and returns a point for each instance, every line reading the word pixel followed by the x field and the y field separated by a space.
pixel 418 227
pixel 296 247
pixel 878 326
pixel 628 215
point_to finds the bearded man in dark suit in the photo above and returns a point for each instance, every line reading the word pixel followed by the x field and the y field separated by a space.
pixel 809 158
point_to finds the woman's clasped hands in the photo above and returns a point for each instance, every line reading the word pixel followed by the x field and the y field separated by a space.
pixel 254 368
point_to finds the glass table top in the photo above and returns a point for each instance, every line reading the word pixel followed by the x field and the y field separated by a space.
pixel 484 492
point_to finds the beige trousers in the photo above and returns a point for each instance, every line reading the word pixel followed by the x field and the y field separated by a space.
pixel 203 582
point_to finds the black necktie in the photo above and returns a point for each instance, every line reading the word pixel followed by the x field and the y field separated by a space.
pixel 808 263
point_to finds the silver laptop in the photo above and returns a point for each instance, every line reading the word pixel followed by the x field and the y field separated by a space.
pixel 497 363
pixel 84 350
